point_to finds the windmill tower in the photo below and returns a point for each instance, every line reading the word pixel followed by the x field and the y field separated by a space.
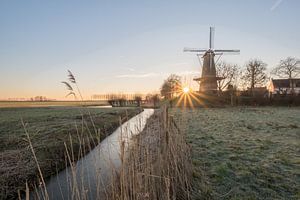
pixel 208 79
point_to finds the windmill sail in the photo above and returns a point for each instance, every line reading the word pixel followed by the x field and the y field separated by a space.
pixel 227 51
pixel 194 50
pixel 211 37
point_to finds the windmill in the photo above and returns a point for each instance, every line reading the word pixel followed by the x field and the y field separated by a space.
pixel 208 79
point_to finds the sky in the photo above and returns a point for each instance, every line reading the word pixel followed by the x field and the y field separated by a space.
pixel 132 46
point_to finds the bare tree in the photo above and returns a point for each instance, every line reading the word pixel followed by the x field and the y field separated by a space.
pixel 155 99
pixel 170 86
pixel 229 73
pixel 255 74
pixel 288 68
pixel 138 99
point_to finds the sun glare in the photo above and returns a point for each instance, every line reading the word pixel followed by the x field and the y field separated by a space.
pixel 187 97
pixel 186 90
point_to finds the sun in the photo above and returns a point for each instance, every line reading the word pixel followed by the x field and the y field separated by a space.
pixel 186 90
pixel 187 97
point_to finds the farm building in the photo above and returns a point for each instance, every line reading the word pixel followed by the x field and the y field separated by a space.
pixel 284 86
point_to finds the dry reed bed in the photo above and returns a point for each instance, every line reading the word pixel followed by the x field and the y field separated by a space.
pixel 18 166
pixel 157 164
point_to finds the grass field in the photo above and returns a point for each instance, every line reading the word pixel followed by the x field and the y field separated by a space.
pixel 49 128
pixel 20 104
pixel 243 153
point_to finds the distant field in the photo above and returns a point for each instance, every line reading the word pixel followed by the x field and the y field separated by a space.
pixel 49 128
pixel 12 104
pixel 244 153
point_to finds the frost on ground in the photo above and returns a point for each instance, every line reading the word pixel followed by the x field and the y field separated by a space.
pixel 244 152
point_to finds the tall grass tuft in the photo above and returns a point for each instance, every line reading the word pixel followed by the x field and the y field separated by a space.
pixel 157 164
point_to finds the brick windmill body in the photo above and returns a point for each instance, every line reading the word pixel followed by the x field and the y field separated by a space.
pixel 208 79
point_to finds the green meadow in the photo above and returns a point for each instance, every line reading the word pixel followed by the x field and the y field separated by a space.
pixel 243 152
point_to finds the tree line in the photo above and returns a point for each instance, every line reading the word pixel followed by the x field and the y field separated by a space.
pixel 252 75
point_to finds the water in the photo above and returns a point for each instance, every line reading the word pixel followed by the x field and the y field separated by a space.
pixel 94 172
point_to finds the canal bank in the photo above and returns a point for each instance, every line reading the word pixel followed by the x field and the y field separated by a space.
pixel 94 173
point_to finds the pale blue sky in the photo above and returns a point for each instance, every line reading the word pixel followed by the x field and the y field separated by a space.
pixel 131 46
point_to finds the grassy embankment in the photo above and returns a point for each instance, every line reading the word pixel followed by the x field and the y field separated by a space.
pixel 49 128
pixel 157 164
pixel 243 152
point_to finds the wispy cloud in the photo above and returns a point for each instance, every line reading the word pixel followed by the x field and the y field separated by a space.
pixel 145 75
pixel 180 64
pixel 153 74
pixel 182 73
pixel 276 4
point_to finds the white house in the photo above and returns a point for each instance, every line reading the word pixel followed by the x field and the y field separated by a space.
pixel 284 86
